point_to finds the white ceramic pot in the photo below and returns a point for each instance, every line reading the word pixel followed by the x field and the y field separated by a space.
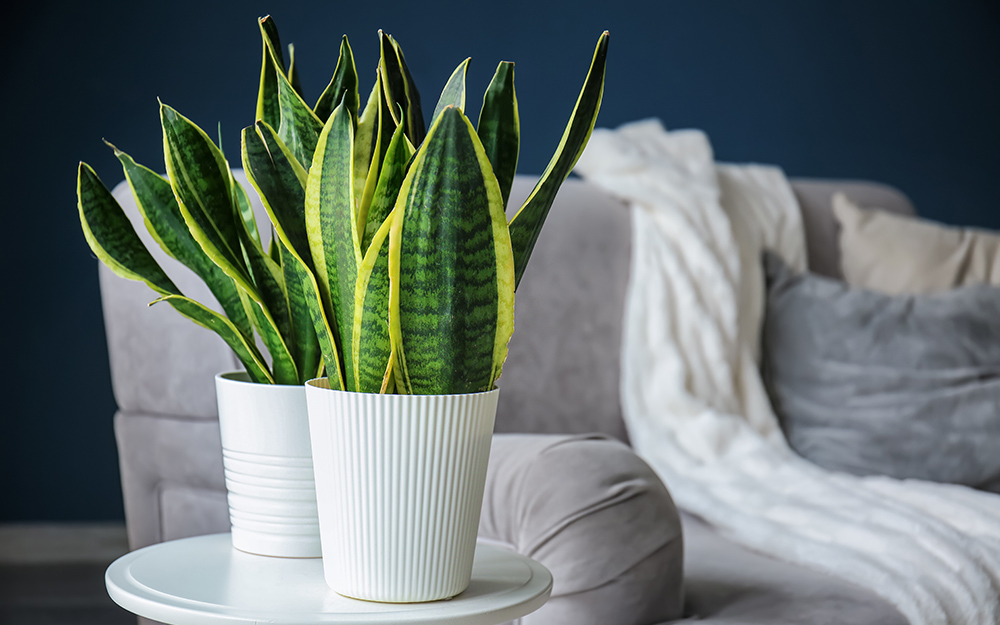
pixel 399 483
pixel 268 462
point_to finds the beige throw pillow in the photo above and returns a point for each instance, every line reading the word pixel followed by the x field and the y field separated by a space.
pixel 896 254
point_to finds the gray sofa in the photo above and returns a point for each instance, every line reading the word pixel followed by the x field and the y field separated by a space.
pixel 584 506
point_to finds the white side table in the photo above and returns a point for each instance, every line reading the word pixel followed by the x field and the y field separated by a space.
pixel 204 581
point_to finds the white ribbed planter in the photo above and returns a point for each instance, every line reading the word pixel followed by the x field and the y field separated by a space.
pixel 268 462
pixel 399 483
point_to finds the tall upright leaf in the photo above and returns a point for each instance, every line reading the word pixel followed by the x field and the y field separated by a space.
pixel 294 72
pixel 299 128
pixel 201 180
pixel 343 85
pixel 397 157
pixel 156 202
pixel 110 235
pixel 400 88
pixel 302 333
pixel 453 93
pixel 331 225
pixel 269 306
pixel 528 221
pixel 500 127
pixel 451 309
pixel 373 351
pixel 388 121
pixel 365 136
pixel 280 181
pixel 272 63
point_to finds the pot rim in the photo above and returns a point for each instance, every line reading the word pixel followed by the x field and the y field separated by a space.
pixel 240 376
pixel 315 383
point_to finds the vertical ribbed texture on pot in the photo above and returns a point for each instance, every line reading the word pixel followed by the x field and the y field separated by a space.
pixel 399 482
pixel 268 463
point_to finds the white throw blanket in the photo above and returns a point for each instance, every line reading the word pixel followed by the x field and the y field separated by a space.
pixel 697 411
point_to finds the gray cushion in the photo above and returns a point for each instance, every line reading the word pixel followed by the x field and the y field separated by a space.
pixel 906 386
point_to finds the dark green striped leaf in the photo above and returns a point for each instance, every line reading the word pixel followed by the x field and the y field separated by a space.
pixel 500 127
pixel 453 93
pixel 528 221
pixel 158 206
pixel 400 88
pixel 269 306
pixel 372 344
pixel 302 336
pixel 343 85
pixel 397 157
pixel 388 121
pixel 272 248
pixel 280 182
pixel 200 178
pixel 365 135
pixel 331 224
pixel 111 237
pixel 293 72
pixel 299 128
pixel 452 298
pixel 272 64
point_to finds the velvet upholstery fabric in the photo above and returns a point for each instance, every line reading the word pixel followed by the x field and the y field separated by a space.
pixel 873 384
pixel 597 517
pixel 726 584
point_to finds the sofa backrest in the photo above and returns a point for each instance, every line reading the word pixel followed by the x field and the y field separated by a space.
pixel 562 371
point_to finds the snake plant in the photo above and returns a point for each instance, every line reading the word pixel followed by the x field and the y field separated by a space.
pixel 392 265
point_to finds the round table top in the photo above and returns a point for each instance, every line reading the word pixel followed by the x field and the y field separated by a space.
pixel 204 581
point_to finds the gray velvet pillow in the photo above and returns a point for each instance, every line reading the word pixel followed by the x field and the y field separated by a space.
pixel 906 386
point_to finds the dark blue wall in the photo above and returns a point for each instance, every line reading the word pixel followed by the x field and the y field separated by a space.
pixel 903 92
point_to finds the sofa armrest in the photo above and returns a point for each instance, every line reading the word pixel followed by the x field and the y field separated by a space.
pixel 597 517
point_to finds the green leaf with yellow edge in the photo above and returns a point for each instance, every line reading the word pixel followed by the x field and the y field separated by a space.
pixel 299 128
pixel 453 93
pixel 364 137
pixel 212 204
pixel 280 182
pixel 272 64
pixel 388 121
pixel 394 165
pixel 451 309
pixel 500 127
pixel 400 88
pixel 269 308
pixel 111 237
pixel 343 85
pixel 156 203
pixel 200 178
pixel 527 223
pixel 373 352
pixel 303 340
pixel 293 72
pixel 332 229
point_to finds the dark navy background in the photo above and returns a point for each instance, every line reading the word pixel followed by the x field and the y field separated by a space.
pixel 897 91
